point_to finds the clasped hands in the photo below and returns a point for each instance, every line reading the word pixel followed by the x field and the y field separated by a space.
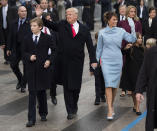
pixel 46 64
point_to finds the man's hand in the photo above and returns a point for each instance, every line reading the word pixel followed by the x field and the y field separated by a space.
pixel 47 64
pixel 2 46
pixel 8 52
pixel 33 57
pixel 139 97
pixel 128 46
pixel 94 65
pixel 38 11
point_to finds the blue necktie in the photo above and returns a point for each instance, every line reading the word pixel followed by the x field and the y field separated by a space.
pixel 36 40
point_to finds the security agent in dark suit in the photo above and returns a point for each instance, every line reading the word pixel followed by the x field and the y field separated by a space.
pixel 148 25
pixel 72 38
pixel 7 15
pixel 18 30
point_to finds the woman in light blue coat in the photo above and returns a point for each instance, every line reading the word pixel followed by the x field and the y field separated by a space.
pixel 109 50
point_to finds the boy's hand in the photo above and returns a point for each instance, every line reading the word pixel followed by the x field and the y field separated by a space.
pixel 91 73
pixel 47 64
pixel 33 57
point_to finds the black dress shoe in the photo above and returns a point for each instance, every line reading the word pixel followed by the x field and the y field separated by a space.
pixel 97 101
pixel 18 86
pixel 75 112
pixel 43 118
pixel 30 124
pixel 71 116
pixel 138 113
pixel 6 62
pixel 103 99
pixel 54 100
pixel 23 90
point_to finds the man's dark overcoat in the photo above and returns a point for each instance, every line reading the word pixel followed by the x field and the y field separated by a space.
pixel 71 53
pixel 147 80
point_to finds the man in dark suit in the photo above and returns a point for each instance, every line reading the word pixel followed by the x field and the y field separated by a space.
pixel 53 11
pixel 118 4
pixel 72 38
pixel 18 30
pixel 149 25
pixel 7 14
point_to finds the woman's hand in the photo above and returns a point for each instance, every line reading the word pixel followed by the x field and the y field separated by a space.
pixel 128 46
pixel 47 64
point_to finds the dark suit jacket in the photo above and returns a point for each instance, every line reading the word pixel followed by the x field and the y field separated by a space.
pixel 154 28
pixel 16 37
pixel 144 13
pixel 11 15
pixel 38 77
pixel 146 30
pixel 71 52
pixel 125 25
pixel 116 6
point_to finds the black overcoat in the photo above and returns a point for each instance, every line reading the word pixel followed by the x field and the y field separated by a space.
pixel 133 62
pixel 71 52
pixel 147 79
pixel 39 78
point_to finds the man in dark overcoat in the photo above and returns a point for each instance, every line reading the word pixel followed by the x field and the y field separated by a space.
pixel 7 15
pixel 18 30
pixel 147 80
pixel 72 38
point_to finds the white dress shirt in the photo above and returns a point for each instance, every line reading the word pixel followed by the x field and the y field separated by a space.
pixel 122 17
pixel 47 29
pixel 141 10
pixel 34 35
pixel 76 27
pixel 150 22
pixel 4 13
pixel 45 11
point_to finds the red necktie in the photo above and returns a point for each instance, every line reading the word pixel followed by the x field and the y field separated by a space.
pixel 73 30
pixel 45 30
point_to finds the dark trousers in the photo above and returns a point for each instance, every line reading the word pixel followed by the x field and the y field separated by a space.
pixel 53 90
pixel 42 102
pixel 14 64
pixel 5 32
pixel 99 83
pixel 71 99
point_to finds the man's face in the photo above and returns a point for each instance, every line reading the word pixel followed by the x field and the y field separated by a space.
pixel 122 11
pixel 71 17
pixel 44 4
pixel 22 12
pixel 4 2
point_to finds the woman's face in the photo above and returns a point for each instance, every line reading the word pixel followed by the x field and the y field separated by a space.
pixel 152 14
pixel 132 13
pixel 139 40
pixel 113 21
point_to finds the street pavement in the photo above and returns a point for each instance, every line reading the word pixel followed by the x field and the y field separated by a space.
pixel 13 107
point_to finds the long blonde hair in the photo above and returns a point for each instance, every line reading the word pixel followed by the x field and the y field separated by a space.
pixel 128 10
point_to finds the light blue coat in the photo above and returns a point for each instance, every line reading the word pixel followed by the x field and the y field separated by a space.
pixel 109 50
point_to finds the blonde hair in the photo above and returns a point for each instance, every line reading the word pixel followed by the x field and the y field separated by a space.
pixel 75 10
pixel 128 11
pixel 151 42
pixel 38 21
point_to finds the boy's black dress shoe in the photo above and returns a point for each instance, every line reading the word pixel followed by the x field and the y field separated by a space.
pixel 43 118
pixel 18 86
pixel 30 124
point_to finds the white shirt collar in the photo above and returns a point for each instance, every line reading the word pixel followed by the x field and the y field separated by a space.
pixel 34 35
pixel 76 27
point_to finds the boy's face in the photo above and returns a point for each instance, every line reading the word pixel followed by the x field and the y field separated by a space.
pixel 35 28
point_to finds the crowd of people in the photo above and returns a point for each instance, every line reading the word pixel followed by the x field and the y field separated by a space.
pixel 49 37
